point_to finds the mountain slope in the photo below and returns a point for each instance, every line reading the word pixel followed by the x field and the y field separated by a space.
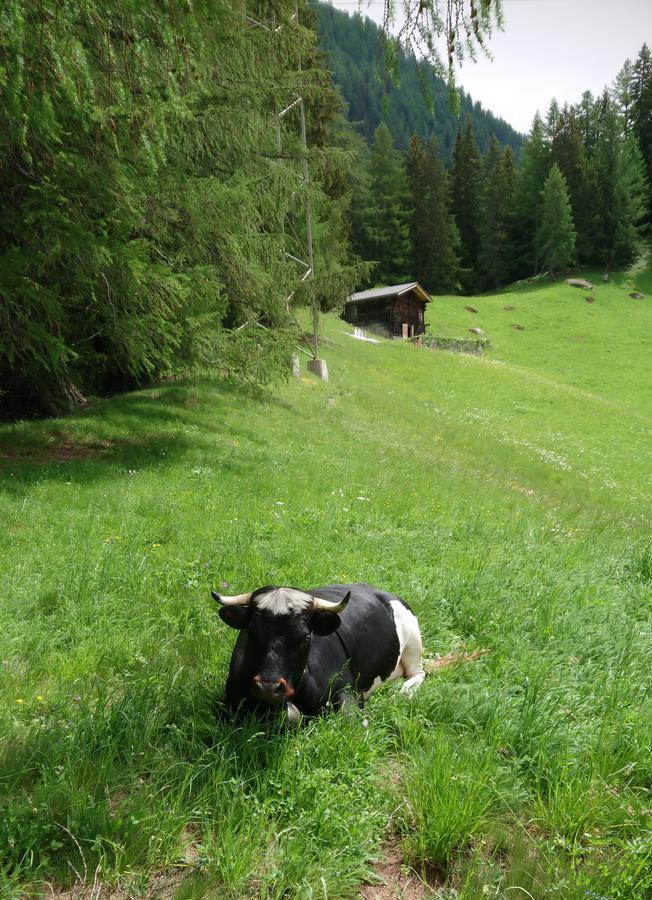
pixel 352 44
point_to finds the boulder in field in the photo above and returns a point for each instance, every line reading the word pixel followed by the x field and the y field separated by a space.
pixel 580 283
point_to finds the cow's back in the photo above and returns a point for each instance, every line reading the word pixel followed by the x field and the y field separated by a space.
pixel 367 634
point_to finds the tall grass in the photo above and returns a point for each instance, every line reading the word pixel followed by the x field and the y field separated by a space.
pixel 506 498
pixel 450 796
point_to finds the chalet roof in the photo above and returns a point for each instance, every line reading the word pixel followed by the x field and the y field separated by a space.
pixel 394 290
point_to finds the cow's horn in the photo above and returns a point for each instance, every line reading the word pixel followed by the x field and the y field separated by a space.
pixel 237 600
pixel 320 605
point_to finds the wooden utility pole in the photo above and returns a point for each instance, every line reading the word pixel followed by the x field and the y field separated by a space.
pixel 308 205
pixel 316 365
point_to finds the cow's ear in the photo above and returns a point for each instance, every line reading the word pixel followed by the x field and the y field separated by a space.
pixel 324 622
pixel 235 616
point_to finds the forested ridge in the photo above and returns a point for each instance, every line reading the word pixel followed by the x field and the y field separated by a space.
pixel 411 99
pixel 580 194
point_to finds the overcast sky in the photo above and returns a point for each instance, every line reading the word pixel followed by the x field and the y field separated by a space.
pixel 549 48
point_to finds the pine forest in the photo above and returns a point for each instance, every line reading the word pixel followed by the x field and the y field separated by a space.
pixel 576 192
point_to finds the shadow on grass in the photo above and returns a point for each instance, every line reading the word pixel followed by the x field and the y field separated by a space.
pixel 149 429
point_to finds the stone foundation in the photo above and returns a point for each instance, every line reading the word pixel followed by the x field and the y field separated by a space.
pixel 474 346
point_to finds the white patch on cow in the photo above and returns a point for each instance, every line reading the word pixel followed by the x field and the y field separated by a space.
pixel 283 601
pixel 411 684
pixel 410 664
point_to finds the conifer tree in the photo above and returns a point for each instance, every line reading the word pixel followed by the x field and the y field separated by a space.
pixel 606 154
pixel 467 200
pixel 335 141
pixel 630 199
pixel 361 198
pixel 552 121
pixel 144 194
pixel 641 90
pixel 622 94
pixel 620 191
pixel 497 252
pixel 464 24
pixel 385 217
pixel 556 231
pixel 586 114
pixel 528 199
pixel 433 231
pixel 568 152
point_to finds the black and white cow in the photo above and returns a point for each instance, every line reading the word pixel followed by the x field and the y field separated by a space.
pixel 308 649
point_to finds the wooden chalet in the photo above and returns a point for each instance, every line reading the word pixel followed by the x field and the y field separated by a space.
pixel 397 311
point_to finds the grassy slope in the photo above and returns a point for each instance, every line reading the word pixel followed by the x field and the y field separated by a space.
pixel 507 498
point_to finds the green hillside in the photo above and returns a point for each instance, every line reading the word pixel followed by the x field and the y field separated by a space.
pixel 353 48
pixel 508 498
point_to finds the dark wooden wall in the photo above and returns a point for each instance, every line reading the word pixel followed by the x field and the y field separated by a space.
pixel 388 314
pixel 408 310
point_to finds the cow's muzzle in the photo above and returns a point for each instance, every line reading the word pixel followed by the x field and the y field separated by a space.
pixel 273 692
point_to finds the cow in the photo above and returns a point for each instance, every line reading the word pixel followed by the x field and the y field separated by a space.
pixel 327 647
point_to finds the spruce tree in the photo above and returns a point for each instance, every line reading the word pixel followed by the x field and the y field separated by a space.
pixel 467 199
pixel 641 90
pixel 507 175
pixel 622 94
pixel 606 153
pixel 528 199
pixel 497 252
pixel 144 195
pixel 630 199
pixel 331 142
pixel 385 218
pixel 556 232
pixel 586 114
pixel 552 121
pixel 621 189
pixel 361 198
pixel 568 152
pixel 433 231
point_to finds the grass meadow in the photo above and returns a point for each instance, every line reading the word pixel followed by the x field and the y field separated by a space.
pixel 508 498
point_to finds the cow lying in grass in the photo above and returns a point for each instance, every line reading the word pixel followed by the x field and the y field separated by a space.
pixel 310 649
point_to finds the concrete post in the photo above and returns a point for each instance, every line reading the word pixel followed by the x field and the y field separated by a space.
pixel 318 367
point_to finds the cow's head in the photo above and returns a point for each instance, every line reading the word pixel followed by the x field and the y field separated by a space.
pixel 279 623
